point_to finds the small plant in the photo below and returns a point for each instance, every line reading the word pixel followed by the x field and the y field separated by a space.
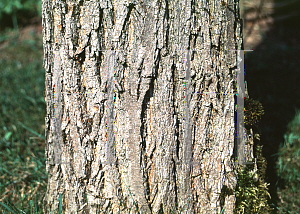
pixel 13 8
pixel 253 111
pixel 10 7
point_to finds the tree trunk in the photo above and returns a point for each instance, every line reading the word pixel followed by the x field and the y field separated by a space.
pixel 140 105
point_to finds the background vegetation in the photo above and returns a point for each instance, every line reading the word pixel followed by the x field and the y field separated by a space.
pixel 22 108
pixel 272 30
pixel 273 79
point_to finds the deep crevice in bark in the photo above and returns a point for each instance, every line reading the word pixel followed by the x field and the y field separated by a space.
pixel 176 135
pixel 126 21
pixel 167 18
pixel 139 81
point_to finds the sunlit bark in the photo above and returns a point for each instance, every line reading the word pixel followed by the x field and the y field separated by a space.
pixel 149 126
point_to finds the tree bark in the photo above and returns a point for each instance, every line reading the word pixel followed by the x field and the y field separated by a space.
pixel 140 105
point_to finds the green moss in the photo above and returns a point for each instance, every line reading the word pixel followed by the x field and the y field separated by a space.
pixel 251 191
pixel 253 111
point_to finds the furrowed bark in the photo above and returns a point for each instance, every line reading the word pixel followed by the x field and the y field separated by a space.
pixel 140 105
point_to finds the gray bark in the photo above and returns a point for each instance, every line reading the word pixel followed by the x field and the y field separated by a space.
pixel 140 128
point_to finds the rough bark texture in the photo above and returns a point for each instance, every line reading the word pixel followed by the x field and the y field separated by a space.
pixel 173 138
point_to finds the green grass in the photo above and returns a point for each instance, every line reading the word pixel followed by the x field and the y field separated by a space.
pixel 22 111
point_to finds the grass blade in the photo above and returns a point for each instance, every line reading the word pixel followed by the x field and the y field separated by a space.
pixel 7 207
pixel 32 131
